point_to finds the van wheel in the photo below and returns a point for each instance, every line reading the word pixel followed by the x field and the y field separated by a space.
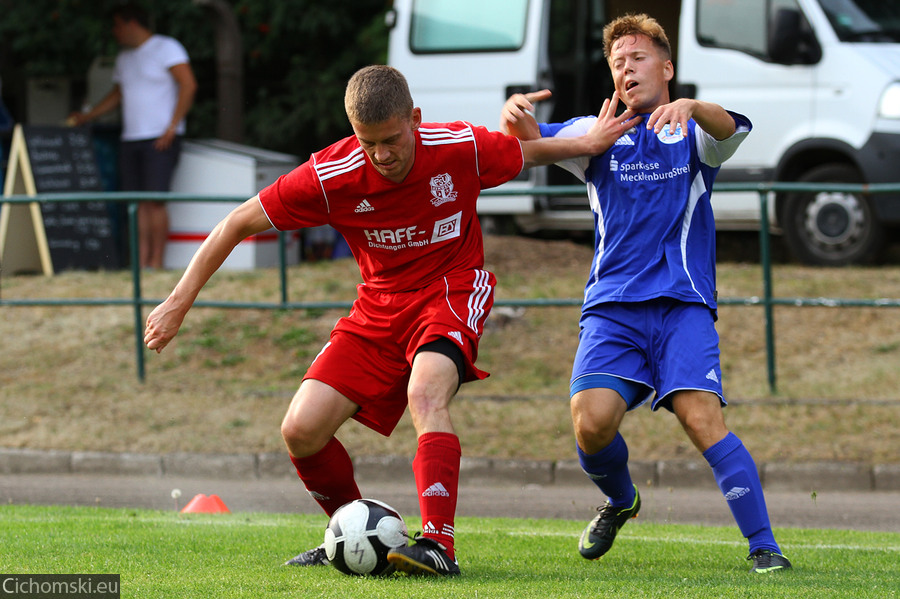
pixel 831 228
pixel 495 224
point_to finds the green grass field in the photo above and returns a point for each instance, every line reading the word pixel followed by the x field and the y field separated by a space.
pixel 171 555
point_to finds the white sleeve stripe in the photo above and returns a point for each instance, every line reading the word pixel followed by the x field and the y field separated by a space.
pixel 577 166
pixel 440 135
pixel 339 163
pixel 714 152
pixel 334 168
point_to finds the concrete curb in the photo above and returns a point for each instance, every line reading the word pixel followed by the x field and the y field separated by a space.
pixel 806 476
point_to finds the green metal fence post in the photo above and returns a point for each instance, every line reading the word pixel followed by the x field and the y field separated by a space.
pixel 136 288
pixel 765 258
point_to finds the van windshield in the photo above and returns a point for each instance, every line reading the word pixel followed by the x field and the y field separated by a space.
pixel 467 25
pixel 872 21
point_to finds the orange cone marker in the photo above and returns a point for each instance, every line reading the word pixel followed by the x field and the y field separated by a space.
pixel 206 504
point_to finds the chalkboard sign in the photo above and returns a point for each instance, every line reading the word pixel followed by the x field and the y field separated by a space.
pixel 62 159
pixel 80 235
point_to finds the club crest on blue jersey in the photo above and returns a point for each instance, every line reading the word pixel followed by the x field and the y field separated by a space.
pixel 667 137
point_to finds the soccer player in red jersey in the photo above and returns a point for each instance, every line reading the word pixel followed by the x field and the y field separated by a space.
pixel 402 193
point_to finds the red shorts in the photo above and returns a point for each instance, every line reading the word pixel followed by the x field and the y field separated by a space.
pixel 369 356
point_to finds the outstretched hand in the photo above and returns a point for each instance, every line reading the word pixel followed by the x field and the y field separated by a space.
pixel 517 116
pixel 608 127
pixel 674 114
pixel 710 117
pixel 520 105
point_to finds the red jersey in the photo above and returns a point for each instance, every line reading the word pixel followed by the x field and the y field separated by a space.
pixel 403 235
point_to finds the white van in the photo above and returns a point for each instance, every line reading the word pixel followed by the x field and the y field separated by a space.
pixel 820 79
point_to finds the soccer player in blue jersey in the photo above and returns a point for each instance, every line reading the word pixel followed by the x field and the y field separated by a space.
pixel 648 318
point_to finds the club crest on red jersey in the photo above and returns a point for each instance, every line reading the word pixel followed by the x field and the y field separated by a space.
pixel 442 190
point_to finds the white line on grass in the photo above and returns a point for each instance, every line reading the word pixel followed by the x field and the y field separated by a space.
pixel 696 541
pixel 193 519
pixel 186 519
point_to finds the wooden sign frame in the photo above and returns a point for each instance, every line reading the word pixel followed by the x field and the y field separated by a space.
pixel 23 240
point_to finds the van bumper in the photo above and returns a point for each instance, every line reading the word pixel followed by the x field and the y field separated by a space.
pixel 879 160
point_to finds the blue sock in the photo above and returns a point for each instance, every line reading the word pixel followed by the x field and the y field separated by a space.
pixel 736 475
pixel 608 468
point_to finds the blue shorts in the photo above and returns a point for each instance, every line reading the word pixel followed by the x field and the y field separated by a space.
pixel 648 349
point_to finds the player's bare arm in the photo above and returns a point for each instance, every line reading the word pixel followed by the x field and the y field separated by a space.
pixel 517 115
pixel 165 320
pixel 712 118
pixel 602 135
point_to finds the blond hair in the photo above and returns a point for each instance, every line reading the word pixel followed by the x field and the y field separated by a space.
pixel 377 93
pixel 632 24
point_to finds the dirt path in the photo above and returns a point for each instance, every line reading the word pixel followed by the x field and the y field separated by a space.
pixel 875 511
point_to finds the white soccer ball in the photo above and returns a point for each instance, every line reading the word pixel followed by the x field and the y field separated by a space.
pixel 359 536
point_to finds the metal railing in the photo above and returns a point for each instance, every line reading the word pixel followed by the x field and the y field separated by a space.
pixel 137 301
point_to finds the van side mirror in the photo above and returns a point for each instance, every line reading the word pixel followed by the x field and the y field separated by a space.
pixel 683 90
pixel 790 40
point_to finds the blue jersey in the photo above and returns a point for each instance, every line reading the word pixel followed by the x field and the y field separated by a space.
pixel 654 231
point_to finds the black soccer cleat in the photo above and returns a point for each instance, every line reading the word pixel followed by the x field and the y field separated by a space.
pixel 425 556
pixel 312 557
pixel 600 533
pixel 766 561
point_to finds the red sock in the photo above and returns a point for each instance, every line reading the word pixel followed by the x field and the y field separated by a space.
pixel 436 468
pixel 328 476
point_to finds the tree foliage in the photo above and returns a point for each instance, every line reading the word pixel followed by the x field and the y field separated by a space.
pixel 297 54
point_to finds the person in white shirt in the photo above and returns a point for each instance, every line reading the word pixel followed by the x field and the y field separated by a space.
pixel 155 86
